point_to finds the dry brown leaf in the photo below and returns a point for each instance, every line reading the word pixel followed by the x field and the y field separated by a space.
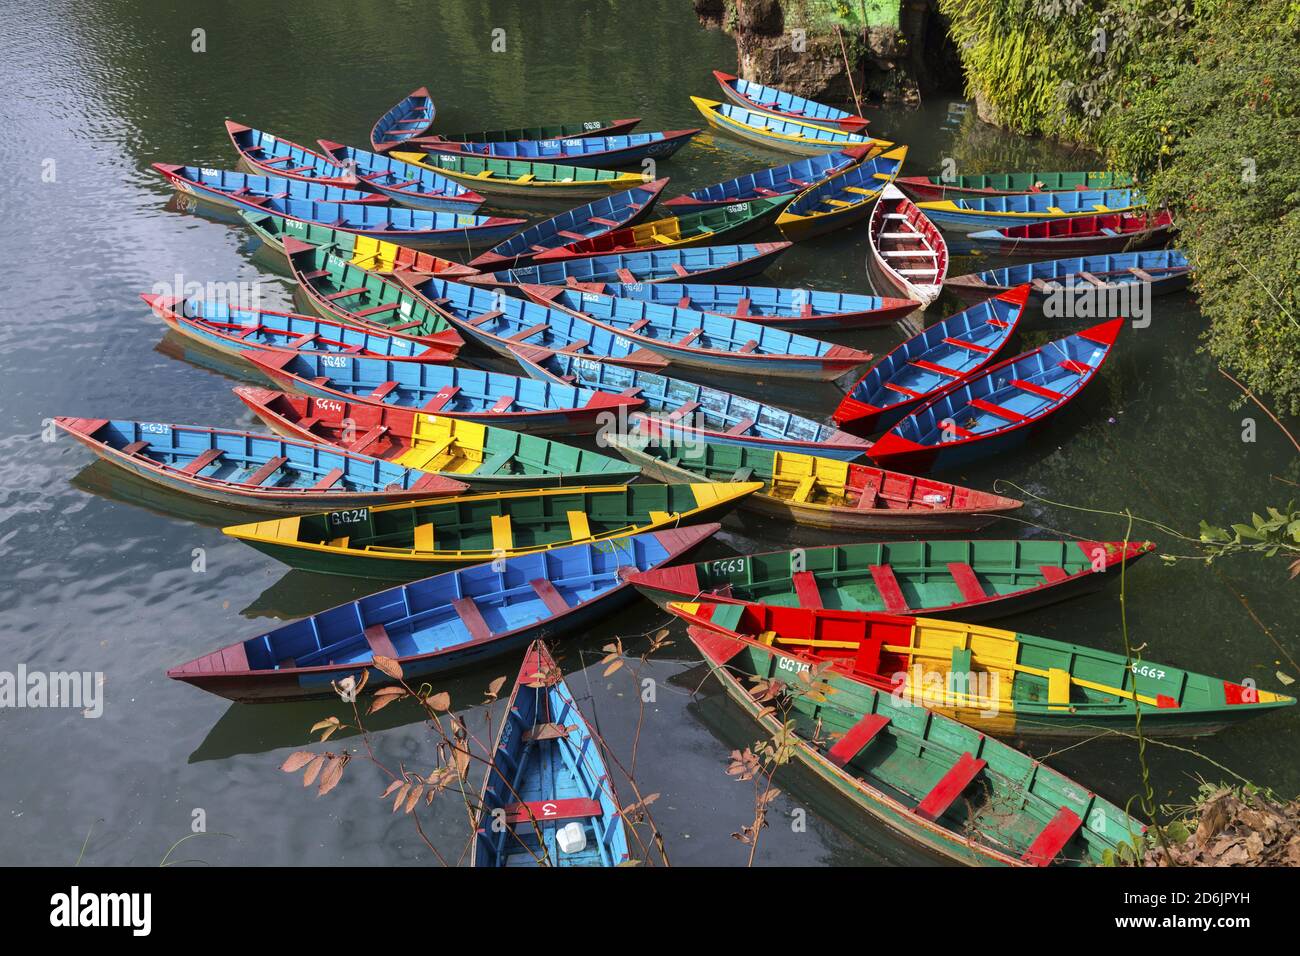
pixel 296 761
pixel 332 775
pixel 385 696
pixel 388 666
pixel 440 702
pixel 313 770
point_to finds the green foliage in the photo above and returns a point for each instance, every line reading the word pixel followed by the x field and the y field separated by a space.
pixel 1277 533
pixel 1196 97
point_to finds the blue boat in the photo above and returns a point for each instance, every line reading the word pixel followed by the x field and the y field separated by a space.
pixel 842 200
pixel 767 99
pixel 241 331
pixel 663 265
pixel 926 364
pixel 784 180
pixel 708 342
pixel 602 152
pixel 250 472
pixel 547 782
pixel 409 185
pixel 491 398
pixel 1163 270
pixel 796 309
pixel 683 411
pixel 594 219
pixel 417 228
pixel 411 117
pixel 997 409
pixel 432 626
pixel 501 323
pixel 237 190
pixel 267 153
pixel 970 214
pixel 778 132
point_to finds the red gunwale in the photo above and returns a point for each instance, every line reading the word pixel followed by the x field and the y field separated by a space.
pixel 233 130
pixel 847 124
pixel 619 127
pixel 419 92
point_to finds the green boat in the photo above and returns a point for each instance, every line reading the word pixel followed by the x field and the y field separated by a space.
pixel 523 179
pixel 428 537
pixel 962 580
pixel 1001 682
pixel 337 288
pixel 939 783
pixel 931 188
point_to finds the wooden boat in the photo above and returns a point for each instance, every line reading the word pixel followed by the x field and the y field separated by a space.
pixel 603 152
pixel 819 492
pixel 411 117
pixel 338 289
pixel 926 364
pixel 993 212
pixel 240 331
pixel 548 798
pixel 788 180
pixel 947 787
pixel 715 263
pixel 1162 270
pixel 249 472
pixel 794 309
pixel 251 191
pixel 766 99
pixel 997 409
pixel 684 411
pixel 414 541
pixel 907 253
pixel 929 188
pixel 484 457
pixel 585 222
pixel 1089 235
pixel 543 408
pixel 997 681
pixel 960 580
pixel 418 228
pixel 502 323
pixel 263 152
pixel 675 232
pixel 581 130
pixel 440 624
pixel 842 200
pixel 775 132
pixel 521 179
pixel 374 255
pixel 402 182
pixel 699 340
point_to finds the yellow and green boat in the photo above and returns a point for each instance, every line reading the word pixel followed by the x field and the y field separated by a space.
pixel 523 179
pixel 1001 682
pixel 428 537
pixel 945 786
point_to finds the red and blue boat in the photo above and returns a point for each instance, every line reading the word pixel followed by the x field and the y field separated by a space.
pixel 251 472
pixel 787 180
pixel 795 309
pixel 683 411
pixel 602 152
pixel 267 153
pixel 656 265
pixel 491 398
pixel 237 190
pixel 410 185
pixel 441 623
pixel 767 99
pixel 1091 235
pixel 409 118
pixel 998 409
pixel 585 222
pixel 1162 270
pixel 968 215
pixel 548 799
pixel 700 340
pixel 926 364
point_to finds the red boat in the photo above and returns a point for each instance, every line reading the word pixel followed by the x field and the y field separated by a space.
pixel 1116 232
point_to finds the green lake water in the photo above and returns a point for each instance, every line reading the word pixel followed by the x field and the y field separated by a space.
pixel 90 582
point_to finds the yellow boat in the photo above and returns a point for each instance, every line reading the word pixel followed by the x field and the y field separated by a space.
pixel 432 536
pixel 777 132
pixel 524 178
pixel 843 199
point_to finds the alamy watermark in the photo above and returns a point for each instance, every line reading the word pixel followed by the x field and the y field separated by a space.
pixel 78 690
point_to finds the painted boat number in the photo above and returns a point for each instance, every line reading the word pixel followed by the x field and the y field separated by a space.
pixel 211 172
pixel 732 566
pixel 333 361
pixel 153 428
pixel 786 664
pixel 592 125
pixel 738 207
pixel 349 517
pixel 336 262
pixel 329 405
pixel 1146 670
